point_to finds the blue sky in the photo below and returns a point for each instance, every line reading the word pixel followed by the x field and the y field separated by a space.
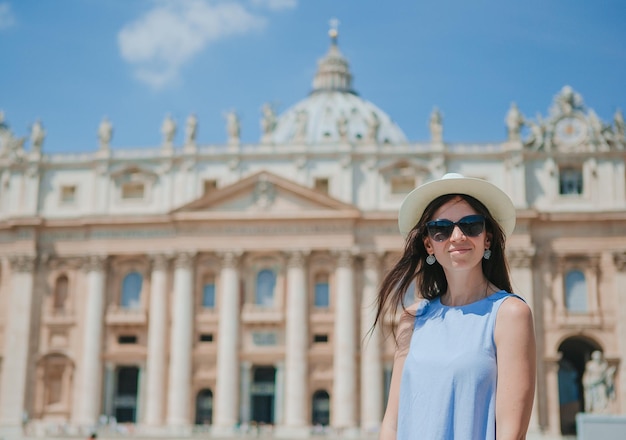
pixel 69 63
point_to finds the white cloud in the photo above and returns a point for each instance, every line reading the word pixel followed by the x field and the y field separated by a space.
pixel 160 42
pixel 7 19
pixel 276 5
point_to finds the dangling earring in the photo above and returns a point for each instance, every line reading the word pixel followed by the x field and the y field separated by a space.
pixel 487 254
pixel 431 259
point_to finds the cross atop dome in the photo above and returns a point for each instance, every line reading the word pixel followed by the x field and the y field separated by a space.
pixel 333 32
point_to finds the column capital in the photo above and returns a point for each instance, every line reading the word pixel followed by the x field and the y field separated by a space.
pixel 159 261
pixel 620 261
pixel 372 259
pixel 230 259
pixel 345 257
pixel 184 260
pixel 22 263
pixel 521 258
pixel 297 258
pixel 94 263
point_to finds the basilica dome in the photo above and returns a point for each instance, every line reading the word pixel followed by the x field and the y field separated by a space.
pixel 333 111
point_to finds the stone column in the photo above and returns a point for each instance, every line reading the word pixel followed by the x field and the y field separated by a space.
pixel 344 364
pixel 179 384
pixel 90 377
pixel 16 344
pixel 296 344
pixel 279 394
pixel 618 285
pixel 109 388
pixel 157 335
pixel 372 397
pixel 227 346
pixel 552 382
pixel 520 261
pixel 246 380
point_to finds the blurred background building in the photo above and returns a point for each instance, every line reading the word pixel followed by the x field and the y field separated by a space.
pixel 228 286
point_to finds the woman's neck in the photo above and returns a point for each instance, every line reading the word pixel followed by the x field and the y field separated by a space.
pixel 466 289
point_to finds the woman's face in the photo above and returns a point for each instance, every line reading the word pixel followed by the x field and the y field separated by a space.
pixel 459 251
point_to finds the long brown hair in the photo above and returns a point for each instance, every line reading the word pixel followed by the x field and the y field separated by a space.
pixel 430 281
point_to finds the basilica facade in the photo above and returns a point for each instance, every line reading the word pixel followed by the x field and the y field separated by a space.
pixel 233 285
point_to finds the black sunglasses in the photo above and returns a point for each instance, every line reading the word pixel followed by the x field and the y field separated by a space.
pixel 470 225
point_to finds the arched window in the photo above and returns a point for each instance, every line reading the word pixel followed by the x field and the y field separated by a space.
pixel 208 293
pixel 204 407
pixel 321 408
pixel 265 285
pixel 131 291
pixel 575 291
pixel 322 292
pixel 60 293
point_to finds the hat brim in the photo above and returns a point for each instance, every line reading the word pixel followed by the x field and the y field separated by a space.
pixel 495 200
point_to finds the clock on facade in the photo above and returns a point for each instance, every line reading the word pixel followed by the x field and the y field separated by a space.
pixel 570 131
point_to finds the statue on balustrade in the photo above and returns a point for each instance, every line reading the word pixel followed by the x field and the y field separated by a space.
pixel 598 383
pixel 37 136
pixel 105 133
pixel 191 129
pixel 514 121
pixel 436 126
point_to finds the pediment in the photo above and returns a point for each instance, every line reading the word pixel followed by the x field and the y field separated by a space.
pixel 265 194
pixel 403 167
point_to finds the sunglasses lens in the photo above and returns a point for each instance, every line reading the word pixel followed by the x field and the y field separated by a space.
pixel 441 230
pixel 472 226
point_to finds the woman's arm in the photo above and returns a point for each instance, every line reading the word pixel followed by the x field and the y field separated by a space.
pixel 515 345
pixel 404 331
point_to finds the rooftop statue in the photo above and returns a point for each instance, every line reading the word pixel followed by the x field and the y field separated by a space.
pixel 618 121
pixel 191 129
pixel 598 383
pixel 37 136
pixel 514 122
pixel 233 127
pixel 105 133
pixel 168 129
pixel 436 126
pixel 268 121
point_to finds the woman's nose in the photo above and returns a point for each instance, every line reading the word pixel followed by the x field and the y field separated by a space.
pixel 457 234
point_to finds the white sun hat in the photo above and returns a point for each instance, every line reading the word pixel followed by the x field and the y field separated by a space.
pixel 497 201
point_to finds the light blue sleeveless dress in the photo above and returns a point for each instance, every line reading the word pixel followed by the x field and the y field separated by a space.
pixel 448 388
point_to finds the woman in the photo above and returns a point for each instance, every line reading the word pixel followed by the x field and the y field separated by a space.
pixel 464 366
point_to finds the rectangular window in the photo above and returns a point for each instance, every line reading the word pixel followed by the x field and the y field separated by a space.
pixel 321 185
pixel 208 296
pixel 127 339
pixel 68 194
pixel 320 339
pixel 570 181
pixel 133 191
pixel 206 337
pixel 264 338
pixel 322 295
pixel 209 186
